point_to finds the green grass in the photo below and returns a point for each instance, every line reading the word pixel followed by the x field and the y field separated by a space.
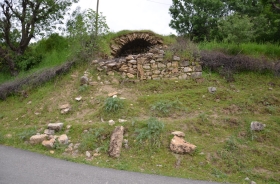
pixel 268 50
pixel 218 124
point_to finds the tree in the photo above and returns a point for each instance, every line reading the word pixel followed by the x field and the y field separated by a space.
pixel 196 18
pixel 81 29
pixel 236 28
pixel 22 20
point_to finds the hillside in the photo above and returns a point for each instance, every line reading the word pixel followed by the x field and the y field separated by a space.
pixel 217 123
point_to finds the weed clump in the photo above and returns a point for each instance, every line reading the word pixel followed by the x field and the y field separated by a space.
pixel 113 104
pixel 165 107
pixel 26 134
pixel 151 133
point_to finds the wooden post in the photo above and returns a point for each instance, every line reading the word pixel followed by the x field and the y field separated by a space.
pixel 96 22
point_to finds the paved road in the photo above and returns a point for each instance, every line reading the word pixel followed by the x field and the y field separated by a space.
pixel 24 167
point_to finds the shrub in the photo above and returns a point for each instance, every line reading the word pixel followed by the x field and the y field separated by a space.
pixel 113 104
pixel 151 133
pixel 26 134
pixel 164 107
pixel 227 65
pixel 95 139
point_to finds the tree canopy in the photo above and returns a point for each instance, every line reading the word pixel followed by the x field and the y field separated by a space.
pixel 207 19
pixel 22 20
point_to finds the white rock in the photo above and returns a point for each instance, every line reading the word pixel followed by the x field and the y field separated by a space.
pixel 122 120
pixel 49 132
pixel 212 89
pixel 79 98
pixel 115 96
pixel 111 122
pixel 55 126
pixel 63 139
pixel 88 154
pixel 36 139
pixel 257 126
pixel 178 133
pixel 48 143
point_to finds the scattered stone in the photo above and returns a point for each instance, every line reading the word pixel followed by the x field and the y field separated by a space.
pixel 78 98
pixel 129 75
pixel 180 146
pixel 55 126
pixel 122 120
pixel 88 155
pixel 178 133
pixel 68 126
pixel 176 58
pixel 252 182
pixel 96 154
pixel 247 179
pixel 112 94
pixel 111 122
pixel 115 96
pixel 48 143
pixel 116 142
pixel 63 139
pixel 8 136
pixel 84 80
pixel 212 89
pixel 65 108
pixel 49 132
pixel 125 142
pixel 257 126
pixel 37 139
pixel 51 151
pixel 94 61
pixel 29 102
pixel 76 146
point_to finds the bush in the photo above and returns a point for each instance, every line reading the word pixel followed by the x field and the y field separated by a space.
pixel 26 134
pixel 227 65
pixel 165 107
pixel 151 133
pixel 113 104
pixel 28 60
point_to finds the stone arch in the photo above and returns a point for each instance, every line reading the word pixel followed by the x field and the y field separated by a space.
pixel 134 43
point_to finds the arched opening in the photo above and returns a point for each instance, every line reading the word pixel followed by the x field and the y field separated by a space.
pixel 136 46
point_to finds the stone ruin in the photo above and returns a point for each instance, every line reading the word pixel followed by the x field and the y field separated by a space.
pixel 141 55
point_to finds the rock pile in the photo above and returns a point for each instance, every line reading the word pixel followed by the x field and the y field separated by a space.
pixel 48 139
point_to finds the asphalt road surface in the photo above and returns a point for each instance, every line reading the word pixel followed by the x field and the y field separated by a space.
pixel 24 167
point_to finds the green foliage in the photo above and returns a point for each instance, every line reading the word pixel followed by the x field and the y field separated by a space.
pixel 83 88
pixel 26 134
pixel 28 60
pixel 95 138
pixel 113 104
pixel 236 29
pixel 165 107
pixel 81 29
pixel 54 42
pixel 195 18
pixel 151 133
pixel 2 139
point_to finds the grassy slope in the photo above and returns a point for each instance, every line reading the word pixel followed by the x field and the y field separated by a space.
pixel 217 123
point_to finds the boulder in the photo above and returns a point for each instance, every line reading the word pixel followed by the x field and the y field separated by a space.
pixel 180 146
pixel 48 143
pixel 55 126
pixel 37 139
pixel 178 134
pixel 212 89
pixel 83 80
pixel 257 126
pixel 116 142
pixel 63 139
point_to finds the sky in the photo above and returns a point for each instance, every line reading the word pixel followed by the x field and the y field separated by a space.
pixel 134 14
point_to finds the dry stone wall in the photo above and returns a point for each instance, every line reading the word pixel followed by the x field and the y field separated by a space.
pixel 152 65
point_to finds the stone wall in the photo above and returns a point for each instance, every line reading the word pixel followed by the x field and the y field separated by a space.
pixel 152 65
